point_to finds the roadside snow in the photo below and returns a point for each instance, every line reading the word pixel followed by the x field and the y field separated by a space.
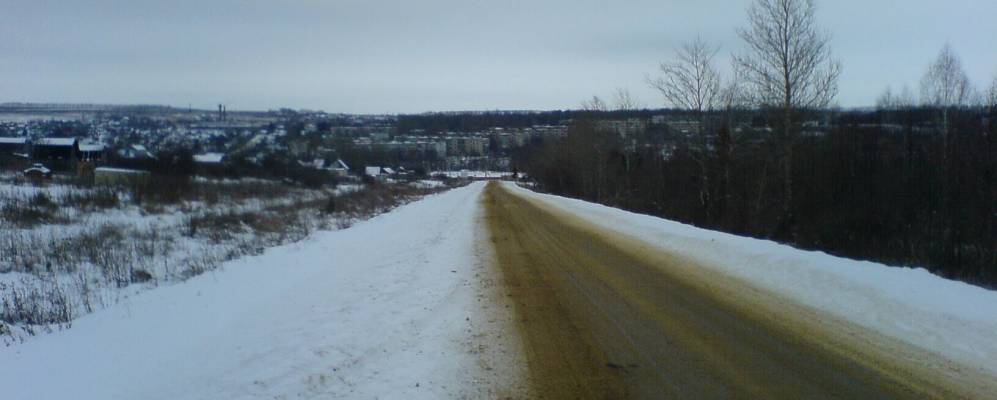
pixel 385 309
pixel 472 174
pixel 954 319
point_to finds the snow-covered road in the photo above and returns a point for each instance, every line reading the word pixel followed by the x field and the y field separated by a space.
pixel 954 319
pixel 409 305
pixel 395 307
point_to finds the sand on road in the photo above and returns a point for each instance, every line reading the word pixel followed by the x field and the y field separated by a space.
pixel 607 317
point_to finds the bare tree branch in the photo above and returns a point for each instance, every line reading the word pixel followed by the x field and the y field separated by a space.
pixel 896 101
pixel 594 104
pixel 788 67
pixel 625 101
pixel 990 98
pixel 789 63
pixel 945 83
pixel 691 81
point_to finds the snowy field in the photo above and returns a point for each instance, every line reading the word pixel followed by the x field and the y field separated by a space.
pixel 951 318
pixel 67 249
pixel 404 306
pixel 394 307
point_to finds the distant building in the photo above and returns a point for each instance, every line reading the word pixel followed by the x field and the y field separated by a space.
pixel 466 145
pixel 209 158
pixel 135 152
pixel 92 152
pixel 56 153
pixel 13 152
pixel 339 168
pixel 10 146
pixel 624 127
pixel 210 163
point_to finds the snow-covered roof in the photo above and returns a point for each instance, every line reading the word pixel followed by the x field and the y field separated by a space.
pixel 51 141
pixel 209 158
pixel 372 171
pixel 136 151
pixel 388 171
pixel 13 140
pixel 91 147
pixel 339 164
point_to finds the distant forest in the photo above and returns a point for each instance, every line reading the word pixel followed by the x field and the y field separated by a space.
pixel 435 123
pixel 913 187
pixel 762 152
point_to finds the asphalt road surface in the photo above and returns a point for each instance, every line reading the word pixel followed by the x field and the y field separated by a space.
pixel 607 317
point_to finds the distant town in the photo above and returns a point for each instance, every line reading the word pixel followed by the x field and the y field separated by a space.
pixel 73 138
pixel 83 139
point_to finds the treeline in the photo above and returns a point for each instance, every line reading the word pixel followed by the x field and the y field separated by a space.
pixel 912 187
pixel 433 123
pixel 177 166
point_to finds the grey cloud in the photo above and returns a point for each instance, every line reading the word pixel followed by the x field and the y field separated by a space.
pixel 408 56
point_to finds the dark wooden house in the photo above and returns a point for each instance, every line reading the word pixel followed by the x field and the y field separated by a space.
pixel 13 152
pixel 59 154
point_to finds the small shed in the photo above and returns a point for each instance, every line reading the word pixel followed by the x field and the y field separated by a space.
pixel 210 163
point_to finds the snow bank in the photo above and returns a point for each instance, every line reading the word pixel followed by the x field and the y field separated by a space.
pixel 952 318
pixel 385 309
pixel 427 184
pixel 473 174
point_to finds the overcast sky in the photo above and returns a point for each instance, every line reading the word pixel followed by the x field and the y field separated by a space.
pixel 375 56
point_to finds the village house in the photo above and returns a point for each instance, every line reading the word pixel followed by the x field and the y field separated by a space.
pixel 339 168
pixel 210 163
pixel 92 152
pixel 135 152
pixel 13 152
pixel 59 154
pixel 372 171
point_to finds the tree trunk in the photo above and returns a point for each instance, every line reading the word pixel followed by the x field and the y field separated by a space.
pixel 786 223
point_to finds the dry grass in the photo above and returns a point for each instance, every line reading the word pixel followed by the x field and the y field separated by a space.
pixel 84 269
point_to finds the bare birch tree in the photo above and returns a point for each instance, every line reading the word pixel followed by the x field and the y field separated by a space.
pixel 624 100
pixel 691 81
pixel 886 100
pixel 892 101
pixel 945 84
pixel 990 98
pixel 788 67
pixel 594 104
